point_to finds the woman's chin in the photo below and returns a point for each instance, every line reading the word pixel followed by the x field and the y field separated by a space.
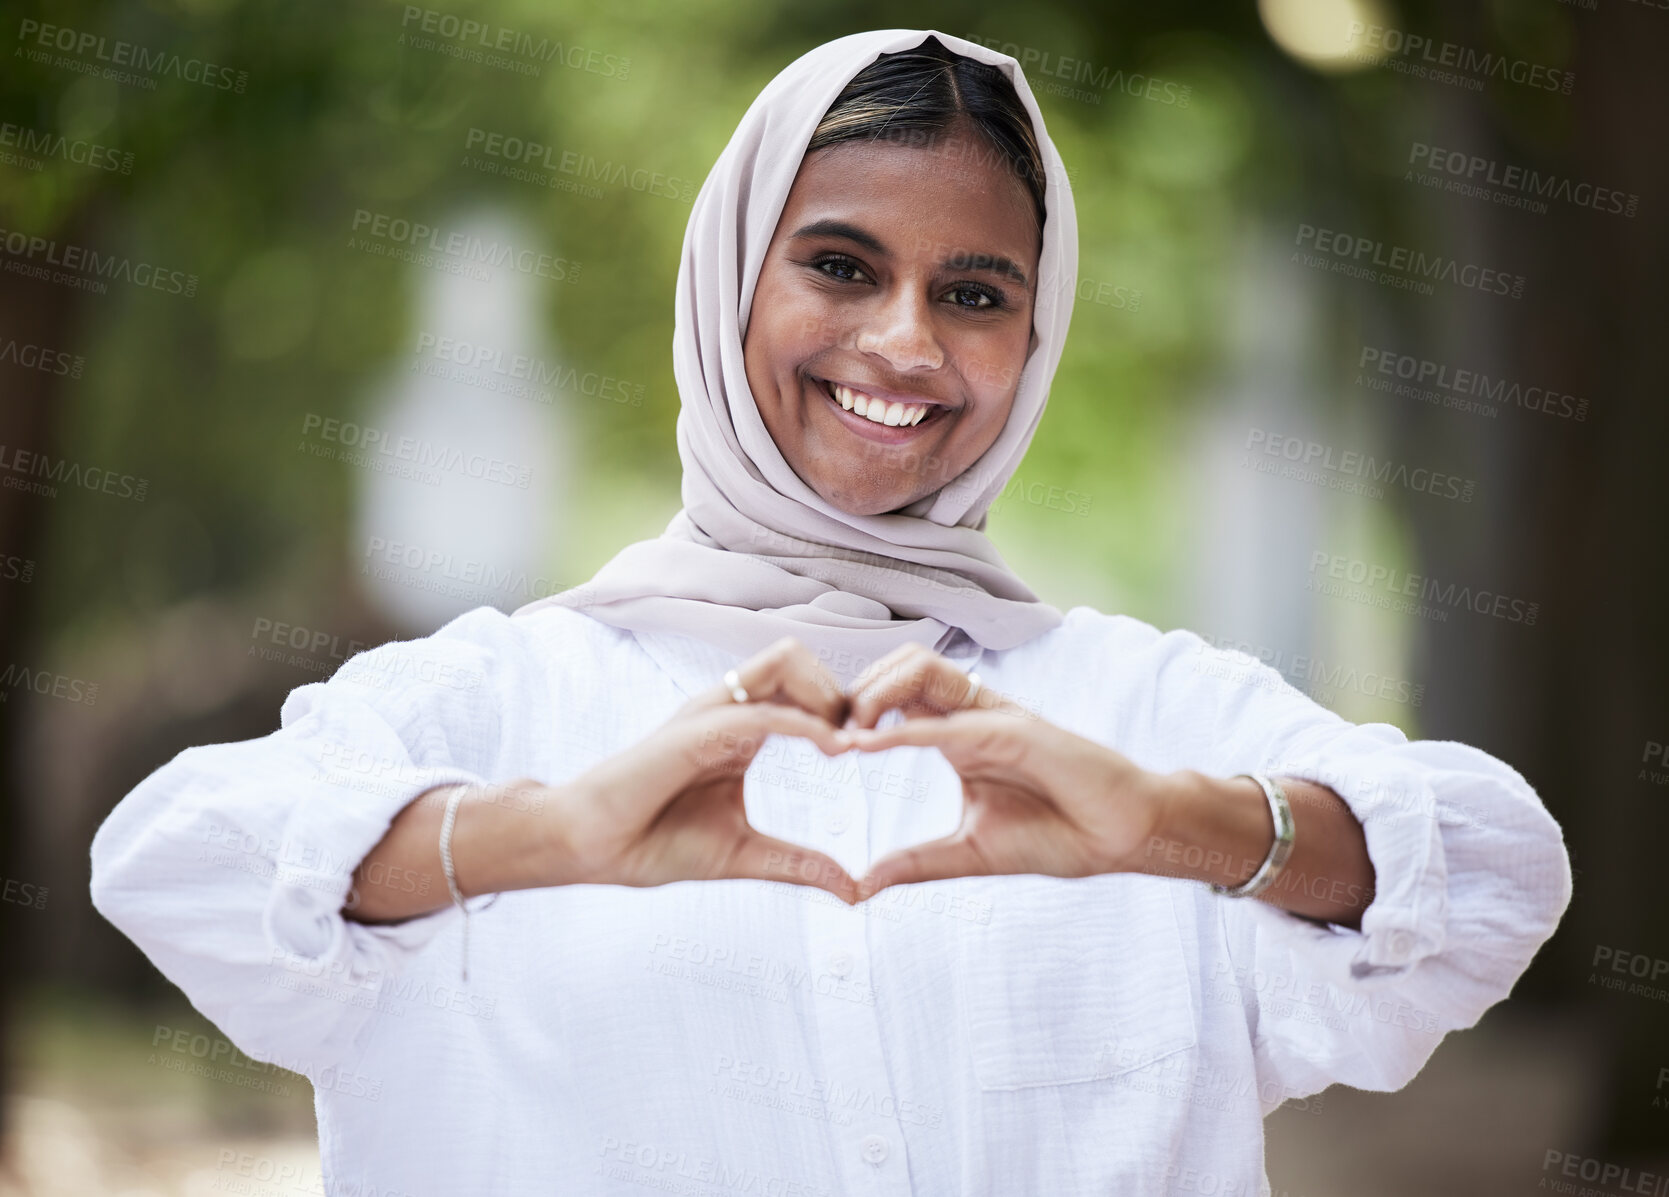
pixel 839 494
pixel 870 502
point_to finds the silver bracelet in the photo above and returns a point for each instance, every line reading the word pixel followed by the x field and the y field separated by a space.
pixel 446 822
pixel 1285 829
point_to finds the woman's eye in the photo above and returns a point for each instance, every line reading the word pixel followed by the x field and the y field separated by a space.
pixel 974 297
pixel 843 269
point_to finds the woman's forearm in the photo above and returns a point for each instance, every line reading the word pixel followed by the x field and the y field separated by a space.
pixel 504 837
pixel 1219 830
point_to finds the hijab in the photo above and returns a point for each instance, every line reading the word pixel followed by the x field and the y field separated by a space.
pixel 755 554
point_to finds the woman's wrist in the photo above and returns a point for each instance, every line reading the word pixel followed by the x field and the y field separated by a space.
pixel 505 836
pixel 508 835
pixel 1220 830
pixel 1210 829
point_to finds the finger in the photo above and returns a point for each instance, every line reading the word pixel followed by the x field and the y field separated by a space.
pixel 967 739
pixel 766 858
pixel 936 860
pixel 786 673
pixel 886 664
pixel 727 738
pixel 955 730
pixel 926 683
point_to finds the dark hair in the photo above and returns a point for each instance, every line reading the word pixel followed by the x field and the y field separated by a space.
pixel 919 96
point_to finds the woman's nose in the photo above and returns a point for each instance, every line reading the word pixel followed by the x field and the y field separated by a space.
pixel 901 331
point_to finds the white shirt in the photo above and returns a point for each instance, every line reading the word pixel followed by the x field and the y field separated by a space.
pixel 1119 1034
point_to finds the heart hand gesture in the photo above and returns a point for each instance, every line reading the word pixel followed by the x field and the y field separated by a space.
pixel 1038 799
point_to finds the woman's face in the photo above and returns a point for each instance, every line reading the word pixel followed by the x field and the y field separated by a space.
pixel 898 274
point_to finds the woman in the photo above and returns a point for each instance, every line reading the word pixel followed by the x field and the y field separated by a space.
pixel 952 934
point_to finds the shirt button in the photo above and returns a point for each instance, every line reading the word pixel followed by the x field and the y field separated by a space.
pixel 1401 946
pixel 874 1149
pixel 837 823
pixel 840 963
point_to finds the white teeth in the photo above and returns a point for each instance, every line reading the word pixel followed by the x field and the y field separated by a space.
pixel 891 414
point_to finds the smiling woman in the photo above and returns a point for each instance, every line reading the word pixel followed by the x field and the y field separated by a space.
pixel 984 931
pixel 894 306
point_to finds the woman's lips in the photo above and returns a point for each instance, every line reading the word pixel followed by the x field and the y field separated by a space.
pixel 886 434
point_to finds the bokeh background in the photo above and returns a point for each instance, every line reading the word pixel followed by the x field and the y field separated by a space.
pixel 243 411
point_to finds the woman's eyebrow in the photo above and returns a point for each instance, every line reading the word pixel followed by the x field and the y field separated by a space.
pixel 989 263
pixel 839 228
pixel 958 260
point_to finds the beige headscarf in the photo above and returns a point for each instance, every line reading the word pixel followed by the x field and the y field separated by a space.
pixel 755 554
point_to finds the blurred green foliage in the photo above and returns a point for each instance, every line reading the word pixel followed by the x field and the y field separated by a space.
pixel 255 193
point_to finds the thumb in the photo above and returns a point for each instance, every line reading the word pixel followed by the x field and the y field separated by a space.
pixel 935 860
pixel 766 858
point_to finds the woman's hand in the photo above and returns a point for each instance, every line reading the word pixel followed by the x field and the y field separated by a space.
pixel 670 808
pixel 1038 799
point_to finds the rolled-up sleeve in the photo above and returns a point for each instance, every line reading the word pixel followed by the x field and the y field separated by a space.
pixel 1471 878
pixel 230 865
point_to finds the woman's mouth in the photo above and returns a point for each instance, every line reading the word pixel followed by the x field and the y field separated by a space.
pixel 877 419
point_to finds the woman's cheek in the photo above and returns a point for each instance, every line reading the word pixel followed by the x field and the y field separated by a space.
pixel 991 378
pixel 832 327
